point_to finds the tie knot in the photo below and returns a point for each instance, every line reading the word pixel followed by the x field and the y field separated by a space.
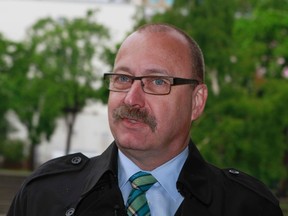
pixel 142 181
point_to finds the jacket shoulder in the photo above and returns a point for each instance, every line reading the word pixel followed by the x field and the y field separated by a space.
pixel 250 183
pixel 65 164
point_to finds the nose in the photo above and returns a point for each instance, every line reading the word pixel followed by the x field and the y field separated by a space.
pixel 135 96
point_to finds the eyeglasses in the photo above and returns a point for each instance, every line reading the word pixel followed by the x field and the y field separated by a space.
pixel 155 85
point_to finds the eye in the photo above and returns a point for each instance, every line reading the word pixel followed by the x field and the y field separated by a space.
pixel 122 79
pixel 160 81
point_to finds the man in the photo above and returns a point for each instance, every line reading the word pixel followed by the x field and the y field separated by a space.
pixel 156 92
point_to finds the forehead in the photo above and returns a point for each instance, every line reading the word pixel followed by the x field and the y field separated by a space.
pixel 167 51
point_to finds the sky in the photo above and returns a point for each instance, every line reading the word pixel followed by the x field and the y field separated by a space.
pixel 17 15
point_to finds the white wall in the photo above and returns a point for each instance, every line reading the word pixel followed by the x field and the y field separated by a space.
pixel 91 135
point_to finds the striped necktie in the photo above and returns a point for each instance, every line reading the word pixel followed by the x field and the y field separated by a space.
pixel 137 203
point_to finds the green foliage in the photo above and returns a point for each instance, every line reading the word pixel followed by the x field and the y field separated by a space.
pixel 6 47
pixel 246 50
pixel 261 43
pixel 244 132
pixel 52 73
pixel 12 150
pixel 63 55
pixel 210 23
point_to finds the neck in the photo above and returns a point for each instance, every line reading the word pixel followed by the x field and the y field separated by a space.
pixel 149 160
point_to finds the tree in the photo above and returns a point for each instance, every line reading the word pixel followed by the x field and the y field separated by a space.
pixel 10 52
pixel 60 74
pixel 249 113
pixel 262 55
pixel 4 92
pixel 211 25
pixel 245 122
pixel 28 100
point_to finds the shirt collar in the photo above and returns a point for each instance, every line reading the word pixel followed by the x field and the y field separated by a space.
pixel 126 168
pixel 171 168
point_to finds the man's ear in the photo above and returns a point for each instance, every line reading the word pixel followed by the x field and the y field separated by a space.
pixel 200 95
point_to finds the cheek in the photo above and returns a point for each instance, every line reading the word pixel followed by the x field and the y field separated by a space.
pixel 174 111
pixel 165 112
pixel 113 102
pixel 115 99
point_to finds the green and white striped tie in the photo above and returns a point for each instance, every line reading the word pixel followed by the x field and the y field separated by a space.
pixel 137 203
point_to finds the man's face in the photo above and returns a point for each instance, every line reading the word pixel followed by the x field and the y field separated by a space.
pixel 162 125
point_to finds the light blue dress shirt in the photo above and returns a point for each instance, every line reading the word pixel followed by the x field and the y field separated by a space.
pixel 163 197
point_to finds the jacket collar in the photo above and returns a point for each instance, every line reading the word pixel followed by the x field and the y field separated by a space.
pixel 195 177
pixel 100 165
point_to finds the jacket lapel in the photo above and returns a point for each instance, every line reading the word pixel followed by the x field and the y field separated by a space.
pixel 195 184
pixel 192 207
pixel 106 162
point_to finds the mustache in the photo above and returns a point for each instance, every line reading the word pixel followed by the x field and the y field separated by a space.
pixel 130 112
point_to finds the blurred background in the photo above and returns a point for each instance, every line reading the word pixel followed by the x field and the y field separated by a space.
pixel 53 54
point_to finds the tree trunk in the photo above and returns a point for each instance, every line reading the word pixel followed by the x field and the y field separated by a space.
pixel 70 120
pixel 31 159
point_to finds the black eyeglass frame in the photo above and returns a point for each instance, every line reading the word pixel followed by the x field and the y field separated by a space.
pixel 174 81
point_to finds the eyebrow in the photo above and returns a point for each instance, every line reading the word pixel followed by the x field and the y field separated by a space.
pixel 121 68
pixel 160 72
pixel 157 72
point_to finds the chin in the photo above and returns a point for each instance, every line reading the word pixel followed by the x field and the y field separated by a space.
pixel 132 144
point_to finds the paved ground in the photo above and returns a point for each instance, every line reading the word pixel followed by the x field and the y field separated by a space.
pixel 10 182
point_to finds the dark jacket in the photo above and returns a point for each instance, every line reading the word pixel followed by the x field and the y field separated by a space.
pixel 77 185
